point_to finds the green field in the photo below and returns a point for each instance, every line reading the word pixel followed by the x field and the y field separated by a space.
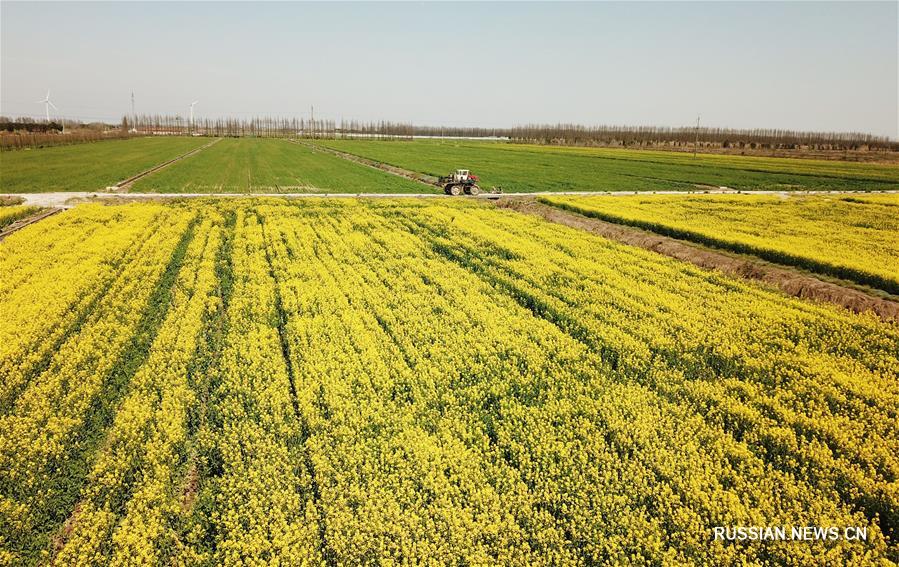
pixel 848 237
pixel 526 168
pixel 87 167
pixel 271 166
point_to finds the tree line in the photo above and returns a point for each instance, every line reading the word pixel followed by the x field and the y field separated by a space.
pixel 563 134
pixel 157 124
pixel 20 133
pixel 657 136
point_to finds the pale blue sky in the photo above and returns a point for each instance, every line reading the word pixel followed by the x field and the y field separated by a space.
pixel 805 65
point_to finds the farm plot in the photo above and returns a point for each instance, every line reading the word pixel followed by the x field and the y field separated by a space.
pixel 271 166
pixel 87 167
pixel 851 237
pixel 524 168
pixel 355 382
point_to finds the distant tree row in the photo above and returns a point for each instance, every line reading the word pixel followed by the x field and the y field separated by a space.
pixel 22 126
pixel 21 132
pixel 655 136
pixel 253 127
pixel 28 133
pixel 564 134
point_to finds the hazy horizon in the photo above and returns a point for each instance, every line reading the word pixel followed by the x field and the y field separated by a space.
pixel 828 66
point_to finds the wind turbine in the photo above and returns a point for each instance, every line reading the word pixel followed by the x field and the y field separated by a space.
pixel 47 105
pixel 192 112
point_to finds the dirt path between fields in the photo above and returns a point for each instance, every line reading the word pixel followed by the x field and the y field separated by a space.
pixel 429 180
pixel 788 280
pixel 125 184
pixel 22 223
pixel 68 199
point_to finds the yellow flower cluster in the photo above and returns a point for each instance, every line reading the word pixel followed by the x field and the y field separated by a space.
pixel 11 214
pixel 264 512
pixel 851 237
pixel 407 382
pixel 148 441
pixel 54 420
pixel 43 299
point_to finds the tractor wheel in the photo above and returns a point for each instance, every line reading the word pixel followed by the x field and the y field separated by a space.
pixel 474 190
pixel 446 189
pixel 455 190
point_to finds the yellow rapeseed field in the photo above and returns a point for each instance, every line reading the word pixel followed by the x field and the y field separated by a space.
pixel 257 382
pixel 853 237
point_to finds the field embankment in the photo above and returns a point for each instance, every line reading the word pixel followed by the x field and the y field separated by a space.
pixel 347 381
pixel 36 216
pixel 87 167
pixel 526 168
pixel 848 237
pixel 392 169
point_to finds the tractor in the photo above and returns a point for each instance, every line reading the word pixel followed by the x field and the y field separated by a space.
pixel 460 181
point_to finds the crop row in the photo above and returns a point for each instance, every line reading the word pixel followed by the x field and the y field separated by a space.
pixel 395 310
pixel 133 493
pixel 44 300
pixel 771 373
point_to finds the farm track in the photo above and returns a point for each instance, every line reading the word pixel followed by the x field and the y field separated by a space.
pixel 124 185
pixel 788 280
pixel 69 199
pixel 22 223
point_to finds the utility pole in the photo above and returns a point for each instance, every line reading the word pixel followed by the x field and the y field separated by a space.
pixel 312 125
pixel 696 139
pixel 133 117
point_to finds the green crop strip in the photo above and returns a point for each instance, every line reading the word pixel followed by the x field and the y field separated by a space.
pixel 87 167
pixel 522 168
pixel 271 166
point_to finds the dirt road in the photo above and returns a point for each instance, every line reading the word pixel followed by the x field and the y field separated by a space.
pixel 70 199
